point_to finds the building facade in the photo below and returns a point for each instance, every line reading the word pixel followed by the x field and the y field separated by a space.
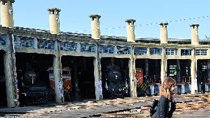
pixel 27 54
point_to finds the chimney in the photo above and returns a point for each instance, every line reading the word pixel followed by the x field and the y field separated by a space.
pixel 54 20
pixel 7 13
pixel 163 33
pixel 130 30
pixel 194 34
pixel 95 26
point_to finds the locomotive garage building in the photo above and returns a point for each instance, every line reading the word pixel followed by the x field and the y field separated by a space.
pixel 72 66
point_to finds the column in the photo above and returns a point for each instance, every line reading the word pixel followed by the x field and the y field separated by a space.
pixel 10 73
pixel 194 87
pixel 57 68
pixel 163 65
pixel 133 82
pixel 97 75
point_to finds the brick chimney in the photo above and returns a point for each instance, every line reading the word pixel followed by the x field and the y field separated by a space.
pixel 130 30
pixel 95 26
pixel 7 13
pixel 163 32
pixel 194 34
pixel 54 20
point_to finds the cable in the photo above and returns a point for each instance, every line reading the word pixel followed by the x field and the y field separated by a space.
pixel 149 24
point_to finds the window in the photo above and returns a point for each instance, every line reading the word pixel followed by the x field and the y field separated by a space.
pixel 171 51
pixel 87 47
pixel 140 51
pixel 66 73
pixel 4 2
pixel 24 42
pixel 200 52
pixel 204 67
pixel 123 50
pixel 68 46
pixel 155 51
pixel 172 70
pixel 3 39
pixel 107 49
pixel 46 44
pixel 185 52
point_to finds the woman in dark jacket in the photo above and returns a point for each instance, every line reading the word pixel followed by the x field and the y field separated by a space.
pixel 166 104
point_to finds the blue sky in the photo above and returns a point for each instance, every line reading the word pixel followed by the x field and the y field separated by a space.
pixel 74 15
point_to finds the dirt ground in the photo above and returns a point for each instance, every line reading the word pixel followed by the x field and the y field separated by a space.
pixel 188 106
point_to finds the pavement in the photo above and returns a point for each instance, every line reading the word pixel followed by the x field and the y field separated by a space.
pixel 188 106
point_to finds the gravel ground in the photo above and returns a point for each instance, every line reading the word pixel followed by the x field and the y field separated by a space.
pixel 188 106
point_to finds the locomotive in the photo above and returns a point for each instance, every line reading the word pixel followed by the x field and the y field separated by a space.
pixel 67 84
pixel 34 90
pixel 116 86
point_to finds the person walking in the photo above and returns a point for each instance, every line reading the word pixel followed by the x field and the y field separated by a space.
pixel 166 105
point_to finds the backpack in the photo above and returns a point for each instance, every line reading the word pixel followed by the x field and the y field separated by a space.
pixel 154 107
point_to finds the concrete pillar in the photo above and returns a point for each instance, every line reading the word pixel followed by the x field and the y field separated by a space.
pixel 98 81
pixel 163 65
pixel 132 68
pixel 95 26
pixel 7 13
pixel 57 68
pixel 194 34
pixel 163 33
pixel 193 73
pixel 130 30
pixel 97 75
pixel 10 74
pixel 10 90
pixel 54 20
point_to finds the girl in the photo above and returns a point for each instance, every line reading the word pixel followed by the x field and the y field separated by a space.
pixel 166 105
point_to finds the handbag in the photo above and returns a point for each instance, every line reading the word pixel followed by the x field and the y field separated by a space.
pixel 153 109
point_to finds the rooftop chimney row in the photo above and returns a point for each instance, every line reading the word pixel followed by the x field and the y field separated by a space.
pixel 130 30
pixel 194 34
pixel 163 32
pixel 7 21
pixel 54 20
pixel 95 26
pixel 7 13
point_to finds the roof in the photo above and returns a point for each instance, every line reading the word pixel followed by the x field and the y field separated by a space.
pixel 110 38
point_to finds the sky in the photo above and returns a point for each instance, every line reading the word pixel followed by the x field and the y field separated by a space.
pixel 74 16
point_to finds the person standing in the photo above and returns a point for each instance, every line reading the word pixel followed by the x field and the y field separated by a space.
pixel 166 104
